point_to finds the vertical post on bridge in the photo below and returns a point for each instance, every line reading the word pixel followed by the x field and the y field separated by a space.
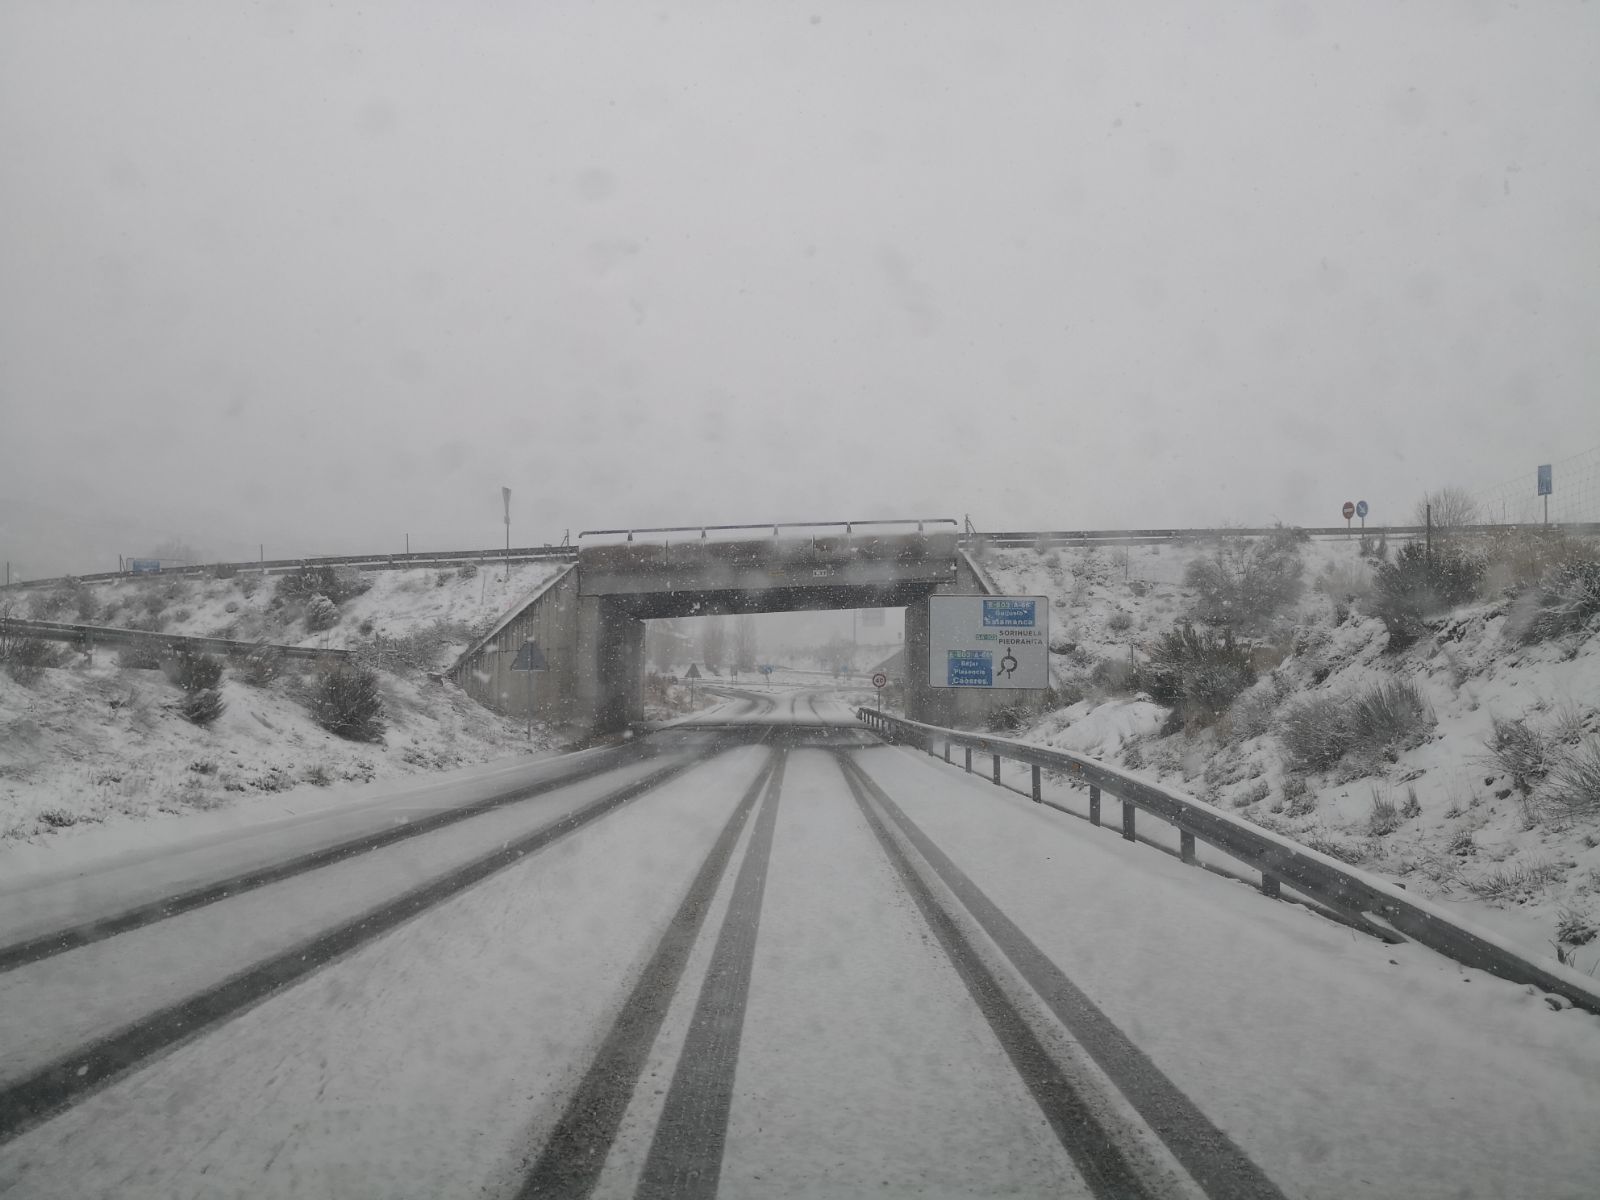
pixel 1269 885
pixel 1127 820
pixel 997 768
pixel 969 760
pixel 1094 805
pixel 1186 846
pixel 1038 792
pixel 947 750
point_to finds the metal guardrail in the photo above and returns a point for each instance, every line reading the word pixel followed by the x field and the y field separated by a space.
pixel 1064 537
pixel 1281 861
pixel 91 636
pixel 375 562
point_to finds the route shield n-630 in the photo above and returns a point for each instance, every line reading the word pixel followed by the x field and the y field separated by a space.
pixel 989 641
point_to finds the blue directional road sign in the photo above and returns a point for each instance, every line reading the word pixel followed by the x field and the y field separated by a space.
pixel 1545 485
pixel 145 566
pixel 1361 509
pixel 970 668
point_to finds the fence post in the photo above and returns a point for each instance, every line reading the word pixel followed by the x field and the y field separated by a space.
pixel 1038 794
pixel 1186 845
pixel 1094 804
pixel 1127 820
pixel 947 750
pixel 969 760
pixel 997 768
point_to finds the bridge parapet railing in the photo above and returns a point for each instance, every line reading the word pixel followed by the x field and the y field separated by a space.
pixel 1280 860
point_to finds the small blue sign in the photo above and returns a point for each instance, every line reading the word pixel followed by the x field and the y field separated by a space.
pixel 765 670
pixel 1010 614
pixel 1361 509
pixel 970 668
pixel 1545 487
pixel 145 566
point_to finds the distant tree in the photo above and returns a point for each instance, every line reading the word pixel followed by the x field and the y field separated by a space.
pixel 1453 507
pixel 714 642
pixel 744 644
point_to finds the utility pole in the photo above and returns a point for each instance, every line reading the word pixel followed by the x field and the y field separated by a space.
pixel 1428 544
pixel 505 494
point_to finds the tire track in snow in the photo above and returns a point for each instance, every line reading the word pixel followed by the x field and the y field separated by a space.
pixel 1077 1125
pixel 685 1156
pixel 575 1153
pixel 59 941
pixel 71 1078
pixel 1210 1157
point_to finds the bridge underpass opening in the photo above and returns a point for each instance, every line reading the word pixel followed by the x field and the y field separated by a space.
pixel 591 621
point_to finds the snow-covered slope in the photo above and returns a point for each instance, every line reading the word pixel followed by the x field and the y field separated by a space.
pixel 96 742
pixel 1461 829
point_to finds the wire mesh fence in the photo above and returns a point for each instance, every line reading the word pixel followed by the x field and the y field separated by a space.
pixel 1574 494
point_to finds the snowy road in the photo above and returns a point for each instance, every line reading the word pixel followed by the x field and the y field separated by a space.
pixel 752 954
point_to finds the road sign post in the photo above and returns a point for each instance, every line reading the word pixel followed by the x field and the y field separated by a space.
pixel 989 642
pixel 880 681
pixel 1361 511
pixel 1349 511
pixel 1546 486
pixel 530 660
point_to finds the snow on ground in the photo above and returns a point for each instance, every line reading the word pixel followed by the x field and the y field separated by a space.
pixel 89 744
pixel 1469 838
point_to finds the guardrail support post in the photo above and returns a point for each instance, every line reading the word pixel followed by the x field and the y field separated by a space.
pixel 969 760
pixel 1269 885
pixel 997 768
pixel 1127 820
pixel 1186 845
pixel 947 751
pixel 1038 794
pixel 1094 805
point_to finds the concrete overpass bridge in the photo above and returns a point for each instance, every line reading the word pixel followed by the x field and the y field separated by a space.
pixel 589 620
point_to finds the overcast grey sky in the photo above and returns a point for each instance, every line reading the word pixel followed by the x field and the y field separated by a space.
pixel 319 275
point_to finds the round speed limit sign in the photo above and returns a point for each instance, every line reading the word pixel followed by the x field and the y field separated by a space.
pixel 880 680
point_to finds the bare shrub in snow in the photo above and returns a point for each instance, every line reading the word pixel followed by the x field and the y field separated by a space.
pixel 346 702
pixel 1418 585
pixel 1117 622
pixel 1567 601
pixel 1384 818
pixel 1244 581
pixel 1315 731
pixel 202 707
pixel 1523 753
pixel 321 613
pixel 1390 713
pixel 337 584
pixel 1196 670
pixel 467 570
pixel 1511 882
pixel 261 666
pixel 26 659
pixel 1575 928
pixel 1573 786
pixel 1252 713
pixel 197 672
pixel 1320 730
